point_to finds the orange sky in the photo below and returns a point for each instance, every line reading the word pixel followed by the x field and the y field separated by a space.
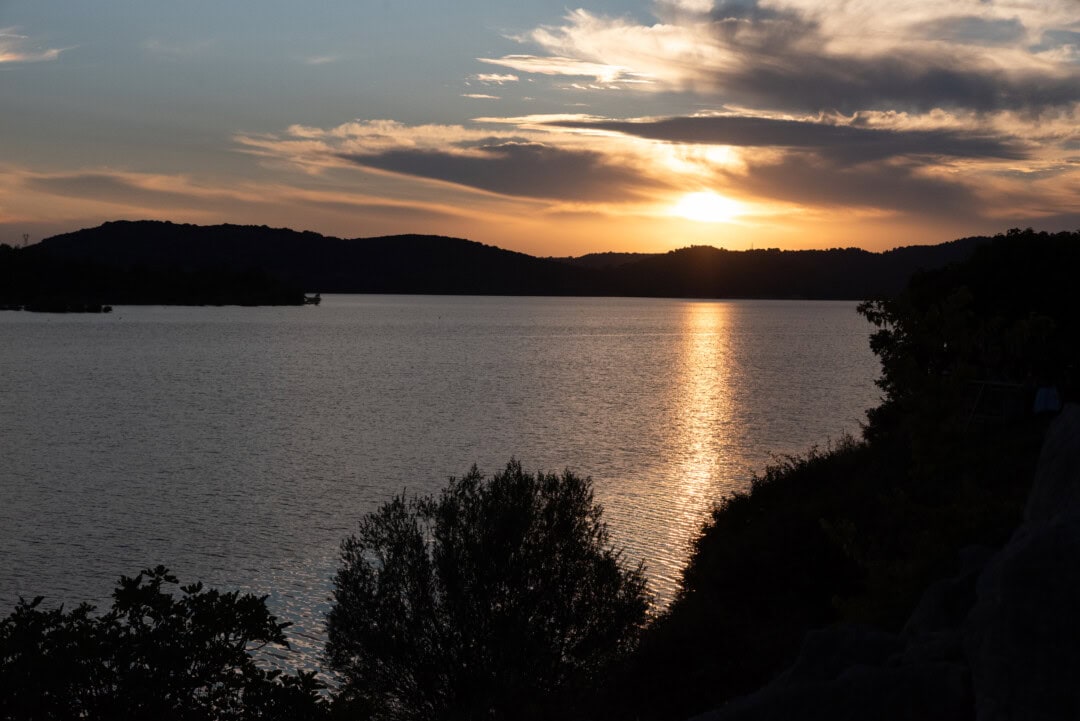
pixel 638 126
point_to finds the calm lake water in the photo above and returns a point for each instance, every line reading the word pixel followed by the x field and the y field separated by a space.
pixel 239 445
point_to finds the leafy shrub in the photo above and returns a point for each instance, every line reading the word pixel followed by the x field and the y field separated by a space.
pixel 766 567
pixel 499 599
pixel 152 656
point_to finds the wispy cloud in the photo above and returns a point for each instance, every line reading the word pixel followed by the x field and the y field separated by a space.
pixel 93 195
pixel 554 65
pixel 480 96
pixel 515 161
pixel 495 78
pixel 18 48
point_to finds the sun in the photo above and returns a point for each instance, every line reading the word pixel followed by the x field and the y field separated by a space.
pixel 707 207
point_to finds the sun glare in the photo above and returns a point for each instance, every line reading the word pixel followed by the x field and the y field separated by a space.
pixel 707 207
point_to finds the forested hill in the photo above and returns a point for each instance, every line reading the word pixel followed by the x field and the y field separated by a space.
pixel 440 265
pixel 318 263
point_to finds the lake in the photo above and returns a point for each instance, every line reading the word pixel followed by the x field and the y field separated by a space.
pixel 238 446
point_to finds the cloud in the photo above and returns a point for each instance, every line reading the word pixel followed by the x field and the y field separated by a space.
pixel 108 187
pixel 796 56
pixel 532 170
pixel 972 29
pixel 480 96
pixel 515 160
pixel 138 189
pixel 935 165
pixel 564 66
pixel 74 199
pixel 320 59
pixel 495 78
pixel 912 81
pixel 898 186
pixel 841 143
pixel 16 48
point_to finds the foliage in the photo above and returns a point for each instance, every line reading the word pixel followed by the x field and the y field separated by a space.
pixel 764 569
pixel 1004 316
pixel 856 533
pixel 152 655
pixel 499 599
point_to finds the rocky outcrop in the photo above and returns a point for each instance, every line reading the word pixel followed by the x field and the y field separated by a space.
pixel 850 674
pixel 1022 637
pixel 1056 490
pixel 999 641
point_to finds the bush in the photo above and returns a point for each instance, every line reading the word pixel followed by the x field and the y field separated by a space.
pixel 500 598
pixel 151 657
pixel 766 567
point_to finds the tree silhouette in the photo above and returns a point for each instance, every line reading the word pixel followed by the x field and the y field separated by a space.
pixel 152 656
pixel 499 599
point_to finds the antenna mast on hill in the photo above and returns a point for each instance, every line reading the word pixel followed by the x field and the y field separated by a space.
pixel 25 239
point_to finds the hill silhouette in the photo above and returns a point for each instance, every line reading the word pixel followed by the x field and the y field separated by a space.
pixel 440 265
pixel 317 263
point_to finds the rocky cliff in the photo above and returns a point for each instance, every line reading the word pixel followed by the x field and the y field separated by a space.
pixel 1000 640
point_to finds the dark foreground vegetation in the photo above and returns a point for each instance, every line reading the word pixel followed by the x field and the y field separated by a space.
pixel 501 598
pixel 855 533
pixel 151 656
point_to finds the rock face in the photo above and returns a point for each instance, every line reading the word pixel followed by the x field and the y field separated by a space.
pixel 855 674
pixel 1000 641
pixel 1056 490
pixel 1023 636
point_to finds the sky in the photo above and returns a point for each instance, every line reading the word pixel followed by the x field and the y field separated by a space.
pixel 543 127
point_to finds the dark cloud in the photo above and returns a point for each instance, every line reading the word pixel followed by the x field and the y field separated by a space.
pixel 784 67
pixel 910 81
pixel 845 144
pixel 972 30
pixel 748 20
pixel 898 186
pixel 520 169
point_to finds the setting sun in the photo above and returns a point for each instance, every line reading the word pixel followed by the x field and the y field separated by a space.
pixel 707 207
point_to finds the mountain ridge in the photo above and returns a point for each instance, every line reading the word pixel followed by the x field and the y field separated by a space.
pixel 426 264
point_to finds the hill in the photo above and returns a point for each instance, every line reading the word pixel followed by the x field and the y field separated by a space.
pixel 440 265
pixel 317 263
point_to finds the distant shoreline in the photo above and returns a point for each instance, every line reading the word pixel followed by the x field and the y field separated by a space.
pixel 155 262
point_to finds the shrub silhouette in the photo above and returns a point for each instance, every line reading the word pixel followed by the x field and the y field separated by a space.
pixel 152 656
pixel 500 598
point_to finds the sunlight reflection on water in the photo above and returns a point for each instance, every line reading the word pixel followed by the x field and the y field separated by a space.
pixel 239 445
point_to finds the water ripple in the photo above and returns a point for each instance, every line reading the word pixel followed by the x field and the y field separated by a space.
pixel 238 446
